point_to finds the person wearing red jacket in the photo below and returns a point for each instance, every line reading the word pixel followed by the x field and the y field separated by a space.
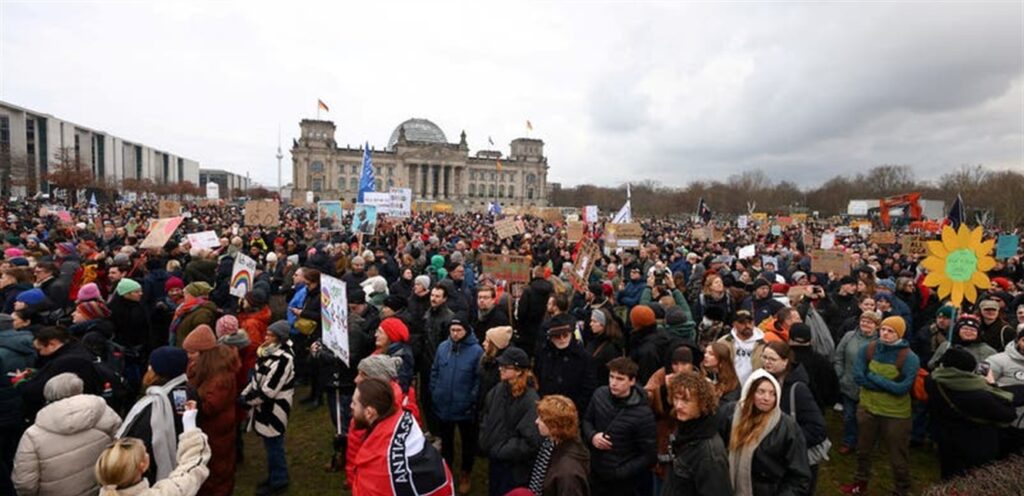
pixel 395 458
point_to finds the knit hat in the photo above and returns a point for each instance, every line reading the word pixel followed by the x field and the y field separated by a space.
pixel 658 309
pixel 382 367
pixel 560 324
pixel 988 304
pixel 798 275
pixel 88 292
pixel 847 280
pixel 13 253
pixel 675 316
pixel 227 325
pixel 945 311
pixel 126 285
pixel 122 259
pixel 357 296
pixel 174 283
pixel 375 284
pixel 168 361
pixel 596 288
pixel 968 320
pixel 257 297
pixel 501 336
pixel 281 329
pixel 198 288
pixel 423 281
pixel 200 339
pixel 599 317
pixel 641 316
pixel 897 324
pixel 682 354
pixel 759 283
pixel 799 334
pixel 65 248
pixel 395 302
pixel 959 358
pixel 395 329
pixel 93 309
pixel 34 296
pixel 515 357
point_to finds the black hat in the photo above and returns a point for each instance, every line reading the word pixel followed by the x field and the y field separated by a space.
pixel 560 323
pixel 959 358
pixel 357 296
pixel 847 280
pixel 759 283
pixel 800 334
pixel 257 297
pixel 515 357
pixel 395 302
pixel 659 311
pixel 596 288
pixel 461 323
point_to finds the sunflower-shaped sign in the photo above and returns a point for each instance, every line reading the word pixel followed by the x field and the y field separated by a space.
pixel 957 264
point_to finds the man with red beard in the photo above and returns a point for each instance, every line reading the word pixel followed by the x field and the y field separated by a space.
pixel 395 459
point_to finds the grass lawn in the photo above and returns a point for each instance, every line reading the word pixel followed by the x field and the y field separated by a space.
pixel 309 437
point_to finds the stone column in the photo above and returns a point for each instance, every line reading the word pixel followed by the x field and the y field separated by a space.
pixel 447 180
pixel 425 171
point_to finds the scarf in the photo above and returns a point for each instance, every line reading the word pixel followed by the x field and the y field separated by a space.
pixel 959 380
pixel 540 466
pixel 740 462
pixel 695 430
pixel 183 310
pixel 266 349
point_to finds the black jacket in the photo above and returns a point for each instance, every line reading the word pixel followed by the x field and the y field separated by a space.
pixel 701 464
pixel 648 347
pixel 495 318
pixel 808 415
pixel 57 291
pixel 602 350
pixel 567 372
pixel 131 324
pixel 779 467
pixel 629 424
pixel 71 357
pixel 821 376
pixel 533 305
pixel 508 432
pixel 435 330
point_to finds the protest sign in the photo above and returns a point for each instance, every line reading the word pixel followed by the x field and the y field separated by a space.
pixel 717 236
pixel 1006 245
pixel 590 214
pixel 507 228
pixel 168 208
pixel 828 241
pixel 574 231
pixel 550 215
pixel 243 273
pixel 825 261
pixel 883 238
pixel 748 251
pixel 329 216
pixel 700 234
pixel 627 235
pixel 264 213
pixel 508 268
pixel 206 240
pixel 160 232
pixel 766 259
pixel 579 276
pixel 364 220
pixel 913 245
pixel 742 221
pixel 776 230
pixel 380 200
pixel 334 316
pixel 401 202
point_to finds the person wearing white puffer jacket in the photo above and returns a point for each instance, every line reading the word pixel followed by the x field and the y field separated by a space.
pixel 57 453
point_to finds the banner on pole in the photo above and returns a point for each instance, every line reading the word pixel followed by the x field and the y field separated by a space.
pixel 334 316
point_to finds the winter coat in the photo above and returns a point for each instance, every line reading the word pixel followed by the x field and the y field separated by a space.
pixel 779 466
pixel 311 308
pixel 648 347
pixel 997 334
pixel 57 454
pixel 71 357
pixel 701 464
pixel 885 391
pixel 508 432
pixel 489 376
pixel 57 291
pixel 821 376
pixel 407 370
pixel 102 326
pixel 395 458
pixel 808 416
pixel 454 383
pixel 1007 368
pixel 435 331
pixel 530 313
pixel 726 305
pixel 217 418
pixel 131 324
pixel 495 318
pixel 979 349
pixel 16 353
pixel 255 326
pixel 658 397
pixel 568 470
pixel 153 420
pixel 844 358
pixel 568 372
pixel 193 457
pixel 204 313
pixel 629 424
pixel 10 293
pixel 201 270
pixel 602 350
pixel 270 391
pixel 761 309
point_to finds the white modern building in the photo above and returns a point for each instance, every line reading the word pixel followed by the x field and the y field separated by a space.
pixel 29 140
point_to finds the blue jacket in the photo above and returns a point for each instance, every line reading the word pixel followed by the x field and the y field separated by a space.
pixel 630 295
pixel 454 382
pixel 885 391
pixel 297 301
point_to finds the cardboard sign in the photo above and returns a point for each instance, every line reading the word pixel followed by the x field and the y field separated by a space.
pixel 508 268
pixel 826 261
pixel 717 236
pixel 883 238
pixel 828 241
pixel 748 251
pixel 507 228
pixel 266 213
pixel 168 208
pixel 364 220
pixel 160 232
pixel 914 246
pixel 584 265
pixel 330 216
pixel 243 274
pixel 742 221
pixel 206 240
pixel 574 231
pixel 626 235
pixel 550 215
pixel 334 316
pixel 1006 245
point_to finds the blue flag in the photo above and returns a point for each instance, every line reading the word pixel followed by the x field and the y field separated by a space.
pixel 494 208
pixel 366 183
pixel 956 213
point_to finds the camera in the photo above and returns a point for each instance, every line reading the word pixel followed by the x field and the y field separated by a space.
pixel 659 276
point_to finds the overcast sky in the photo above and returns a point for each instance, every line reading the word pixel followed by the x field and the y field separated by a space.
pixel 618 91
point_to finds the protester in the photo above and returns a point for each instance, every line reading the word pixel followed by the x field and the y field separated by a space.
pixel 563 463
pixel 746 344
pixel 211 373
pixel 683 359
pixel 700 464
pixel 821 377
pixel 647 343
pixel 605 343
pixel 58 353
pixel 508 432
pixel 454 388
pixel 195 310
pixel 496 341
pixel 717 366
pixel 563 366
pixel 844 361
pixel 966 335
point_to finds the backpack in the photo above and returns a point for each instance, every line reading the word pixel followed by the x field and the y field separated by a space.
pixel 114 388
pixel 821 337
pixel 917 391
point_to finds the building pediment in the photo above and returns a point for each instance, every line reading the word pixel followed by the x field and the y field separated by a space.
pixel 429 153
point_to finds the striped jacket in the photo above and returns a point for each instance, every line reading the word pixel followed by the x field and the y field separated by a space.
pixel 270 391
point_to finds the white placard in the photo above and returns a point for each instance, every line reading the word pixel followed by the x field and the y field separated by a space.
pixel 334 316
pixel 205 239
pixel 828 241
pixel 590 214
pixel 742 221
pixel 380 200
pixel 401 202
pixel 242 275
pixel 747 252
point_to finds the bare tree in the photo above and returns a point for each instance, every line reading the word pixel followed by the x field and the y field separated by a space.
pixel 69 173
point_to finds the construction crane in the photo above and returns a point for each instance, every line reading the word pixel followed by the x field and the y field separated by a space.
pixel 910 203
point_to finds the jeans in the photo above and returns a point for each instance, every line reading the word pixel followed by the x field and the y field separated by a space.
pixel 849 421
pixel 895 433
pixel 468 429
pixel 277 465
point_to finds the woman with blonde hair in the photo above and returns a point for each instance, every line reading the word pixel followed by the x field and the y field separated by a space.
pixel 767 454
pixel 718 368
pixel 122 466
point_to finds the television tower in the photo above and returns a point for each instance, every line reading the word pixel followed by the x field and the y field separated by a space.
pixel 279 157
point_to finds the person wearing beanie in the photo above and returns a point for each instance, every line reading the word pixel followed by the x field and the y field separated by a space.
pixel 392 339
pixel 174 282
pixel 885 370
pixel 132 326
pixel 454 386
pixel 605 343
pixel 843 360
pixel 967 336
pixel 966 412
pixel 822 379
pixel 34 298
pixel 88 292
pixel 195 310
pixel 253 321
pixel 993 327
pixel 211 373
pixel 760 303
pixel 929 338
pixel 129 288
pixel 228 333
pixel 648 343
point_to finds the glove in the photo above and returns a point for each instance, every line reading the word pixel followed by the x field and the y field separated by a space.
pixel 188 419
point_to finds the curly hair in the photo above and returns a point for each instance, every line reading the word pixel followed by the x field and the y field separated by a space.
pixel 690 385
pixel 560 416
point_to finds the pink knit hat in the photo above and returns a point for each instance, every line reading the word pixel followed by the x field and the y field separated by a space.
pixel 226 326
pixel 13 253
pixel 88 292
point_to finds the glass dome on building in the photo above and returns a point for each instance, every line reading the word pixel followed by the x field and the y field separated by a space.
pixel 418 130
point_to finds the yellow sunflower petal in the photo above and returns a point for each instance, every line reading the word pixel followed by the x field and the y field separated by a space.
pixel 970 293
pixel 945 288
pixel 934 264
pixel 957 294
pixel 981 280
pixel 934 279
pixel 976 237
pixel 963 236
pixel 938 249
pixel 984 248
pixel 985 264
pixel 949 238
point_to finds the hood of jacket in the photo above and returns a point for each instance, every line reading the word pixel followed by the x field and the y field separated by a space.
pixel 469 340
pixel 72 415
pixel 19 342
pixel 758 335
pixel 1011 351
pixel 757 374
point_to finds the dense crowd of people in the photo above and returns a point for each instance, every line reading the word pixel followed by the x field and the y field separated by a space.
pixel 675 368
